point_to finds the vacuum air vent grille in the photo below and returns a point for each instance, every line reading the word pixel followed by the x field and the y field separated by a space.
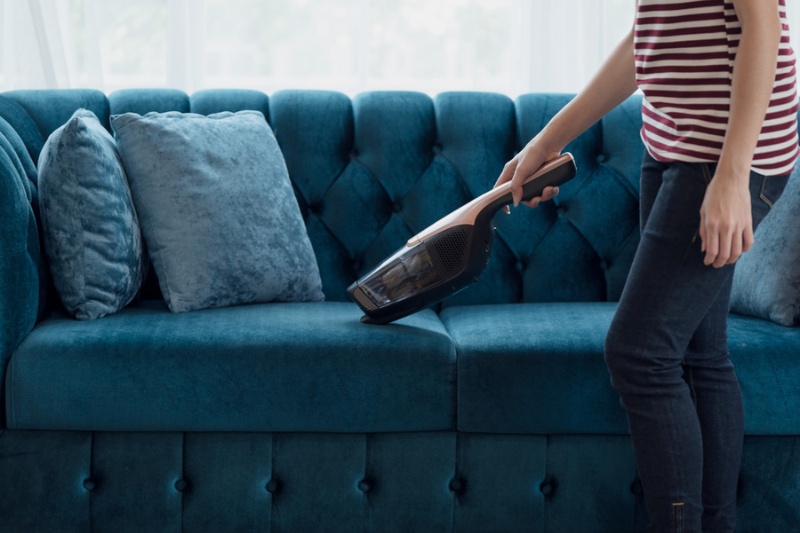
pixel 451 247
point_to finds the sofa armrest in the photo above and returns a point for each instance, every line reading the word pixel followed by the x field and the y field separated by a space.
pixel 21 270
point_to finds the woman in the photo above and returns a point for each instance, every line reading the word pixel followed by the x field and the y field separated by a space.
pixel 720 129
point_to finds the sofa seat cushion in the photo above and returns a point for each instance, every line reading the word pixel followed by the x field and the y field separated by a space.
pixel 767 360
pixel 262 367
pixel 534 368
pixel 539 369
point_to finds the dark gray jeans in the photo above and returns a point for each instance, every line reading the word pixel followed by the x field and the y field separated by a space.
pixel 667 353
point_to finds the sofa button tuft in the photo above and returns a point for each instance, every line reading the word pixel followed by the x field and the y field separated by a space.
pixel 181 485
pixel 396 208
pixel 89 484
pixel 547 488
pixel 601 159
pixel 364 485
pixel 457 485
pixel 273 486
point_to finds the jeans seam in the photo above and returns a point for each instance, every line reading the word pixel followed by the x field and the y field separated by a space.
pixel 707 177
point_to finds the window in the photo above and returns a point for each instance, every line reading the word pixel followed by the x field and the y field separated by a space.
pixel 506 46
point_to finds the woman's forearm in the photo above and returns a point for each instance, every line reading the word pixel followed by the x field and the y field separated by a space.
pixel 613 83
pixel 726 229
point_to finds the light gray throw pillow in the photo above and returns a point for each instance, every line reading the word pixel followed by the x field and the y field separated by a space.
pixel 217 209
pixel 766 282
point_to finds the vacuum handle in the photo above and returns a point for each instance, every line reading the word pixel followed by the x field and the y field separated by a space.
pixel 555 172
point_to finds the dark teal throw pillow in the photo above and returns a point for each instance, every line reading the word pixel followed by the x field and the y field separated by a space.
pixel 217 209
pixel 91 234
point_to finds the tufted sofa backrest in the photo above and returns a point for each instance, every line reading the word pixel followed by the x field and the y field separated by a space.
pixel 372 171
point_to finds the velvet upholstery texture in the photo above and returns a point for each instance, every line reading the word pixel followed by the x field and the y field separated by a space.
pixel 456 142
pixel 766 282
pixel 92 238
pixel 22 274
pixel 143 101
pixel 23 125
pixel 516 361
pixel 479 415
pixel 50 113
pixel 765 357
pixel 217 209
pixel 420 481
pixel 269 367
pixel 437 481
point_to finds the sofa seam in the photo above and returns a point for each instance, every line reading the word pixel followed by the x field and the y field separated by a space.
pixel 91 473
pixel 367 461
pixel 183 476
pixel 457 354
pixel 11 392
pixel 546 477
pixel 271 524
pixel 456 476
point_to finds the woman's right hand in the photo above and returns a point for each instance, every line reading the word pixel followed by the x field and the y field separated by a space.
pixel 523 165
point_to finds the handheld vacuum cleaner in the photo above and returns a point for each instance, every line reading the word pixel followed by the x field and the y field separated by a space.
pixel 448 255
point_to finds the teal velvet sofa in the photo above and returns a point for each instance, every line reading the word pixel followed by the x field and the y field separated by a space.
pixel 492 412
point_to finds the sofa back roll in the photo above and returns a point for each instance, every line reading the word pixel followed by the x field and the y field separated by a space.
pixel 373 171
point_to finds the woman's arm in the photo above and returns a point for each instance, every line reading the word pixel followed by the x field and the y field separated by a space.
pixel 726 226
pixel 612 84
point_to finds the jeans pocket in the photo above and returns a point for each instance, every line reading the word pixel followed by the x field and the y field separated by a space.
pixel 764 192
pixel 772 188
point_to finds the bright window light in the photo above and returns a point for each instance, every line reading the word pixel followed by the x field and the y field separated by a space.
pixel 506 46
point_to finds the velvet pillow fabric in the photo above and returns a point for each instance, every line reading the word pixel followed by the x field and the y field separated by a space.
pixel 91 233
pixel 217 209
pixel 766 282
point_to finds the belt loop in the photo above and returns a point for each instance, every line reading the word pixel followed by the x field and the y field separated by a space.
pixel 706 172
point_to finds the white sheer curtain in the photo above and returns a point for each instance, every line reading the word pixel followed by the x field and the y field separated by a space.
pixel 507 46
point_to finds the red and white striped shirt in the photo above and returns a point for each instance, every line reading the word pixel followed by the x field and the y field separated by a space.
pixel 684 53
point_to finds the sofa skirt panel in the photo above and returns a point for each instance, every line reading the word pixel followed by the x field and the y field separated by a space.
pixel 270 482
pixel 286 482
